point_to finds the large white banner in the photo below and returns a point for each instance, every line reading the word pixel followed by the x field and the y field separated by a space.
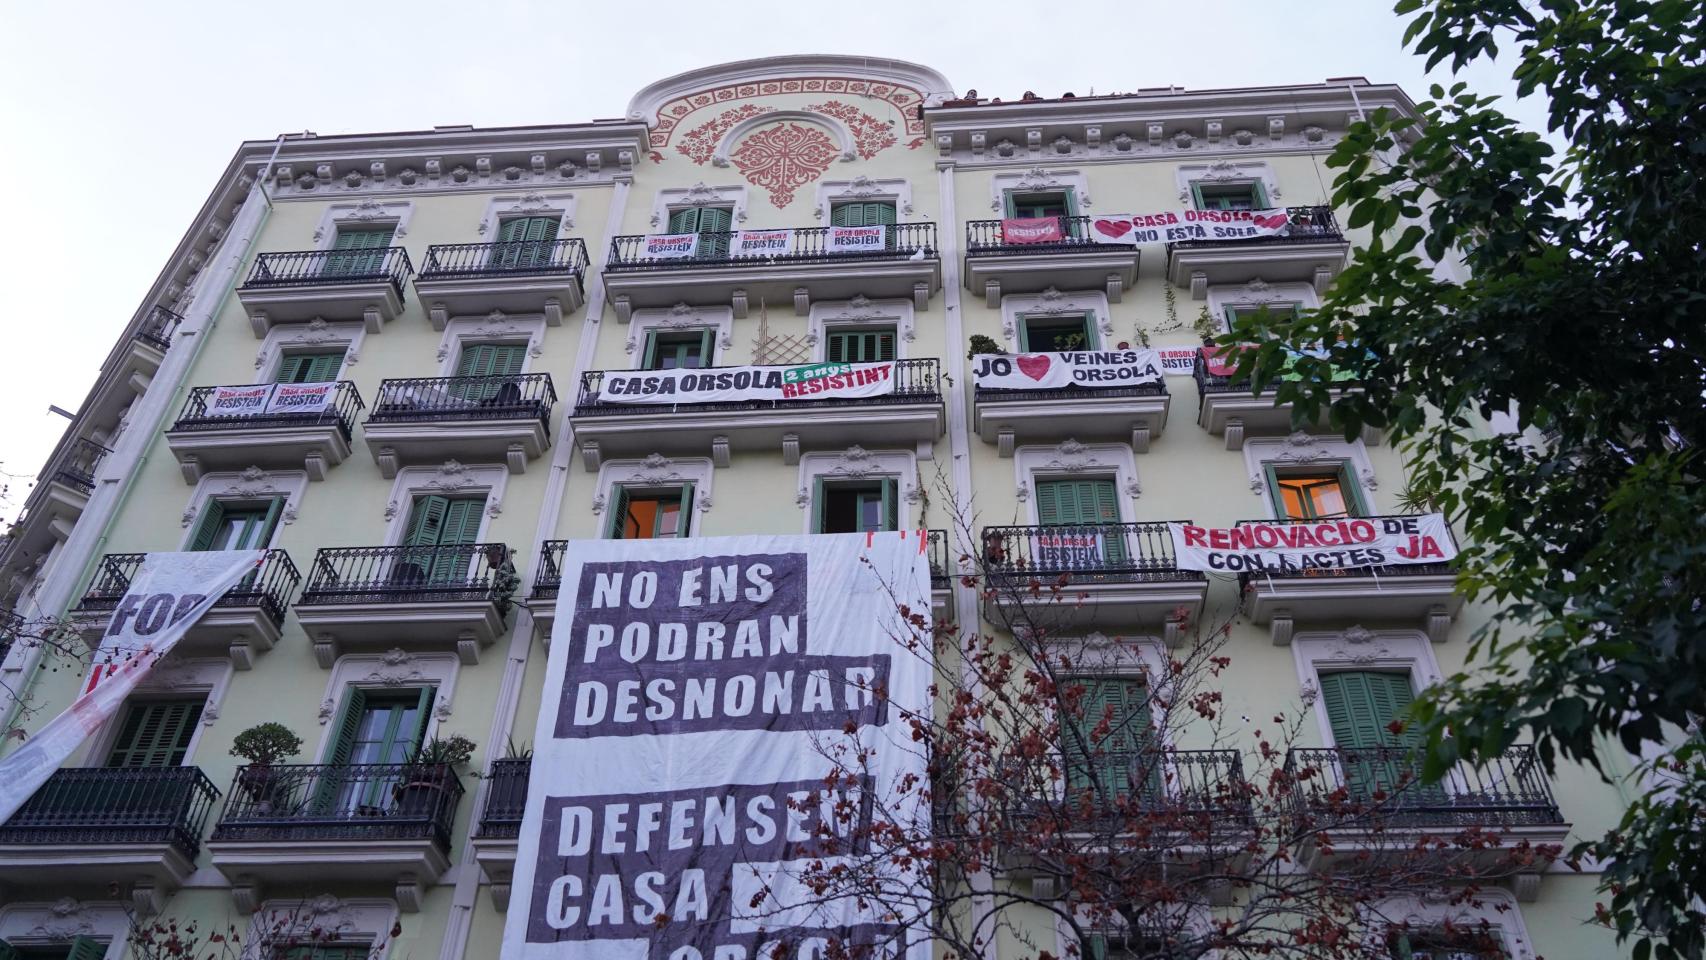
pixel 1051 371
pixel 238 401
pixel 694 692
pixel 1172 226
pixel 856 239
pixel 302 397
pixel 1296 546
pixel 168 594
pixel 817 381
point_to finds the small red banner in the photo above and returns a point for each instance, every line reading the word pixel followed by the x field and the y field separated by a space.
pixel 1032 230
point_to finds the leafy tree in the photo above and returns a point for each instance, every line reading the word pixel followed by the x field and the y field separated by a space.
pixel 1530 325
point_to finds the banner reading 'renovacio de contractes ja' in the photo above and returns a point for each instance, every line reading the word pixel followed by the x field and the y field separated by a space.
pixel 1294 546
pixel 694 694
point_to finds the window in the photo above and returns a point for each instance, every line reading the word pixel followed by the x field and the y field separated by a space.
pixel 1440 945
pixel 678 349
pixel 651 514
pixel 80 948
pixel 862 213
pixel 490 360
pixel 1360 706
pixel 438 526
pixel 859 345
pixel 524 243
pixel 717 221
pixel 855 507
pixel 1078 503
pixel 1247 195
pixel 376 727
pixel 1057 334
pixel 325 951
pixel 227 525
pixel 359 252
pixel 155 734
pixel 1039 204
pixel 1315 494
pixel 310 367
pixel 1109 765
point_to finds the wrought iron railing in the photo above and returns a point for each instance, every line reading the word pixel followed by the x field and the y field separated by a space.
pixel 904 241
pixel 313 268
pixel 1382 785
pixel 941 561
pixel 82 458
pixel 198 415
pixel 506 798
pixel 1209 382
pixel 1085 552
pixel 357 801
pixel 1185 790
pixel 159 327
pixel 1393 570
pixel 270 587
pixel 115 805
pixel 518 396
pixel 986 238
pixel 447 573
pixel 512 258
pixel 548 578
pixel 1315 224
pixel 915 381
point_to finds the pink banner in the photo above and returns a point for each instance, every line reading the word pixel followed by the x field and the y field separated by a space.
pixel 1032 230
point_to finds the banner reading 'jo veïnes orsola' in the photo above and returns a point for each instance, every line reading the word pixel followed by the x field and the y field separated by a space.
pixel 695 691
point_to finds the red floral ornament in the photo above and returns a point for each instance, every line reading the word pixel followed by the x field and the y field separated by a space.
pixel 783 158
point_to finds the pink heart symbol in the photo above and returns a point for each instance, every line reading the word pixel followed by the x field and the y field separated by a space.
pixel 1114 228
pixel 1272 222
pixel 1033 365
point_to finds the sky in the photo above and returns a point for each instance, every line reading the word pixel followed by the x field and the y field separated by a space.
pixel 120 115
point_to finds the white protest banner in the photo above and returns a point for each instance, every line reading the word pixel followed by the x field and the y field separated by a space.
pixel 167 595
pixel 1291 546
pixel 238 401
pixel 671 246
pixel 1172 226
pixel 302 397
pixel 1069 548
pixel 818 381
pixel 856 239
pixel 1178 361
pixel 761 243
pixel 1051 371
pixel 697 694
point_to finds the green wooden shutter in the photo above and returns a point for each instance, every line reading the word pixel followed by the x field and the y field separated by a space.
pixel 684 520
pixel 310 367
pixel 524 242
pixel 527 229
pixel 8 952
pixel 349 721
pixel 268 524
pixel 156 734
pixel 617 526
pixel 819 504
pixel 715 219
pixel 354 262
pixel 1114 757
pixel 491 360
pixel 362 239
pixel 86 948
pixel 862 214
pixel 426 521
pixel 423 716
pixel 685 221
pixel 891 504
pixel 860 346
pixel 462 522
pixel 206 532
pixel 1360 704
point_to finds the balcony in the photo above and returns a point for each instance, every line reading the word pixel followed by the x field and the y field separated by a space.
pixel 1312 251
pixel 88 828
pixel 1385 811
pixel 1423 593
pixel 908 265
pixel 248 619
pixel 529 276
pixel 500 825
pixel 1112 576
pixel 72 480
pixel 299 824
pixel 547 583
pixel 997 264
pixel 1226 406
pixel 428 420
pixel 157 330
pixel 942 567
pixel 1132 414
pixel 230 428
pixel 911 416
pixel 297 286
pixel 446 597
pixel 1193 808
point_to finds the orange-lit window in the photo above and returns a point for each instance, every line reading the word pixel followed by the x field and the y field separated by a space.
pixel 651 514
pixel 1314 496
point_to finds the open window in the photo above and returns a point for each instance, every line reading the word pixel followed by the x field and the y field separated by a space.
pixel 650 513
pixel 1315 491
pixel 237 524
pixel 77 948
pixel 1057 203
pixel 1230 195
pixel 679 349
pixel 855 506
pixel 1057 333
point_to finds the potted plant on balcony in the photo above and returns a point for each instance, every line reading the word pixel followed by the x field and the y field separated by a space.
pixel 982 344
pixel 264 745
pixel 428 775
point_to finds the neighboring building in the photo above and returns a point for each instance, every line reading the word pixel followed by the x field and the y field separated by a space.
pixel 468 289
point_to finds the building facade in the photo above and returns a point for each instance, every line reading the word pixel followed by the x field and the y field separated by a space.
pixel 471 292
